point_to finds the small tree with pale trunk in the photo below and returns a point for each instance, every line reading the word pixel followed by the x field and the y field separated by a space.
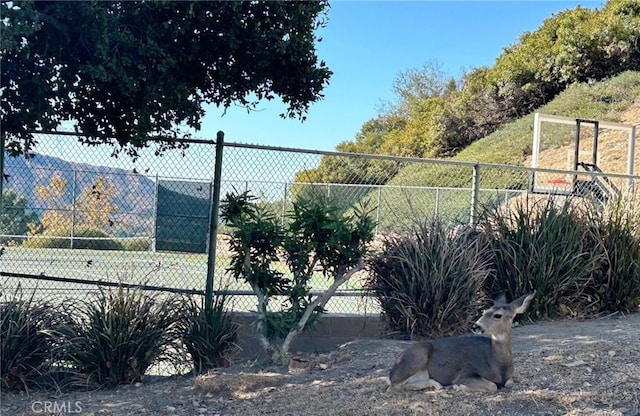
pixel 315 238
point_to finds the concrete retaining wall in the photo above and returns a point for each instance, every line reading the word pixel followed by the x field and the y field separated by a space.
pixel 332 331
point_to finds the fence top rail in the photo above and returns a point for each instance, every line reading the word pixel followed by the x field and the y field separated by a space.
pixel 151 139
pixel 428 161
pixel 449 162
pixel 386 187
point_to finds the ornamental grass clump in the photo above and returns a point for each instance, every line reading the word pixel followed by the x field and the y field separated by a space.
pixel 25 348
pixel 209 335
pixel 617 280
pixel 545 245
pixel 428 280
pixel 115 335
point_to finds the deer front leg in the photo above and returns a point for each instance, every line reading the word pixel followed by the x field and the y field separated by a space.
pixel 418 381
pixel 475 384
pixel 421 381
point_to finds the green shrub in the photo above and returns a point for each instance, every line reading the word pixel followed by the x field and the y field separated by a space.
pixel 428 282
pixel 315 235
pixel 209 335
pixel 115 335
pixel 137 244
pixel 61 238
pixel 544 245
pixel 25 348
pixel 617 282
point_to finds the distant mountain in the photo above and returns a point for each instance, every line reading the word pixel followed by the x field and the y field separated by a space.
pixel 135 194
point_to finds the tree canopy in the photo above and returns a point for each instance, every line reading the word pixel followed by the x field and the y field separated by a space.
pixel 125 71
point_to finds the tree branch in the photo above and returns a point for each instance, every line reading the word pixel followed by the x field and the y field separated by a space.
pixel 320 301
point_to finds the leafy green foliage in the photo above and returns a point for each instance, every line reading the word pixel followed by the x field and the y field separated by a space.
pixel 316 236
pixel 255 238
pixel 544 245
pixel 25 348
pixel 14 219
pixel 427 282
pixel 209 335
pixel 575 46
pixel 369 140
pixel 334 240
pixel 137 244
pixel 115 335
pixel 578 45
pixel 509 145
pixel 65 61
pixel 421 96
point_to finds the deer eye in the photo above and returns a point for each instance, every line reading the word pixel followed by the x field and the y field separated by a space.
pixel 498 316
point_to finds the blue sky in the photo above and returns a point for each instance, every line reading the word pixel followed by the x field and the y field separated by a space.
pixel 367 44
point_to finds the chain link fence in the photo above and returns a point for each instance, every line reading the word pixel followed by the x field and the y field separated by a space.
pixel 74 216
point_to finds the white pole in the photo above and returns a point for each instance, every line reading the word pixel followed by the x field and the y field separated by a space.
pixel 475 190
pixel 535 150
pixel 536 140
pixel 631 157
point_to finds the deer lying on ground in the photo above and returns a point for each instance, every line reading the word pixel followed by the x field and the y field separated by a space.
pixel 475 362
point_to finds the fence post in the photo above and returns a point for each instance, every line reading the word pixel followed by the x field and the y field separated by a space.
pixel 1 173
pixel 284 206
pixel 213 222
pixel 154 237
pixel 73 205
pixel 475 190
pixel 378 209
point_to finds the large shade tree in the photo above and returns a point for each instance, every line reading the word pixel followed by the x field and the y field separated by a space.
pixel 125 71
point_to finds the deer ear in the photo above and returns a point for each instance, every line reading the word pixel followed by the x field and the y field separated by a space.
pixel 521 304
pixel 500 299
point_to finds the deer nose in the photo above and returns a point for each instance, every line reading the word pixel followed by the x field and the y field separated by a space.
pixel 477 329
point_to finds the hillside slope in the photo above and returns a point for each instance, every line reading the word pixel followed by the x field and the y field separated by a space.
pixel 616 99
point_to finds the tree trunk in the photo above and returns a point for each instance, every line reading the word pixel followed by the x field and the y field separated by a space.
pixel 320 300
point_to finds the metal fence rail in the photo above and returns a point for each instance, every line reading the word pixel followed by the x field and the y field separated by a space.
pixel 74 216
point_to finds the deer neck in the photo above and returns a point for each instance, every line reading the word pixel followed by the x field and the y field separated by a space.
pixel 501 345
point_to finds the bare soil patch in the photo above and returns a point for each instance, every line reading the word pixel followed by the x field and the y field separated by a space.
pixel 589 367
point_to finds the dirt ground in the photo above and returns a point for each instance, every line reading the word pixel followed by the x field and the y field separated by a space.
pixel 587 367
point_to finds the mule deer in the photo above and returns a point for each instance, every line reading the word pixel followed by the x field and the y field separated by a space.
pixel 475 362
